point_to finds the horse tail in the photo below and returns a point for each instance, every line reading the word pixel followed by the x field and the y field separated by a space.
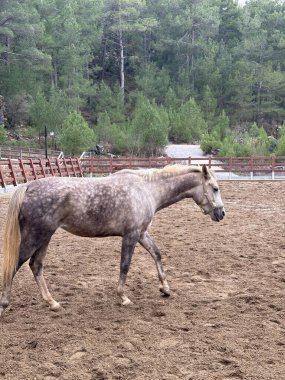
pixel 12 236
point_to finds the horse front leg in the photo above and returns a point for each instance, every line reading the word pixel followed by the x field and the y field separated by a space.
pixel 147 242
pixel 128 246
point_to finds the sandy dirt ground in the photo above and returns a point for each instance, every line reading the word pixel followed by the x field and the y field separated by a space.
pixel 223 321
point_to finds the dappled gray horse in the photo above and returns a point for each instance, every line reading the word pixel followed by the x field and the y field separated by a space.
pixel 122 204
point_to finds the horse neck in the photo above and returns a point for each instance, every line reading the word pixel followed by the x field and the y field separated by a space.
pixel 171 190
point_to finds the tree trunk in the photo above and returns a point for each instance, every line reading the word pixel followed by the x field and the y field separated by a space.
pixel 122 63
pixel 193 59
pixel 54 76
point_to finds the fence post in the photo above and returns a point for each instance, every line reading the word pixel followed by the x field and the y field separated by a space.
pixel 251 168
pixel 273 167
pixel 58 167
pixel 13 173
pixel 2 180
pixel 66 168
pixel 79 166
pixel 50 167
pixel 23 170
pixel 33 168
pixel 91 166
pixel 42 167
pixel 73 167
pixel 231 168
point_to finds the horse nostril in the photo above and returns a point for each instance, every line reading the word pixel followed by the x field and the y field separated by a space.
pixel 223 213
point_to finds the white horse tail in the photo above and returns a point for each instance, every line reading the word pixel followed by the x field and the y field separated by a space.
pixel 12 236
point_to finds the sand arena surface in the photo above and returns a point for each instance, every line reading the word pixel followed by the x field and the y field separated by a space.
pixel 223 321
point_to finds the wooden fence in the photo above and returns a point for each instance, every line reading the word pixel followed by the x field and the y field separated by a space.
pixel 16 152
pixel 15 171
pixel 233 166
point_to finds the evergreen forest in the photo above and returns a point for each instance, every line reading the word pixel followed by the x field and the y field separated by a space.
pixel 133 75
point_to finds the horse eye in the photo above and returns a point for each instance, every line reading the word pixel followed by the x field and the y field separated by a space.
pixel 216 189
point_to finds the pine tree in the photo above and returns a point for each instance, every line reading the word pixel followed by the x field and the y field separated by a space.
pixel 76 136
pixel 149 127
pixel 188 124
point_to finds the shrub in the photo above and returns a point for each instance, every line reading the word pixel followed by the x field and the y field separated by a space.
pixel 76 136
pixel 211 142
pixel 149 128
pixel 187 124
pixel 280 149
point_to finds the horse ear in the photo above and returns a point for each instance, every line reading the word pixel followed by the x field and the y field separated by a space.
pixel 205 172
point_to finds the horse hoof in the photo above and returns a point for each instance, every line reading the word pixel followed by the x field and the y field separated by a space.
pixel 127 302
pixel 55 306
pixel 165 291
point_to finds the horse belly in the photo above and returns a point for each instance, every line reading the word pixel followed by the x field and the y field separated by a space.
pixel 90 232
pixel 94 226
pixel 110 223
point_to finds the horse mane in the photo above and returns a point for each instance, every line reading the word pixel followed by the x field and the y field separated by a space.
pixel 155 174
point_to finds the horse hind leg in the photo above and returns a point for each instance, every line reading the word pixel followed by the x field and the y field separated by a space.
pixel 6 296
pixel 27 251
pixel 36 265
pixel 147 242
pixel 7 285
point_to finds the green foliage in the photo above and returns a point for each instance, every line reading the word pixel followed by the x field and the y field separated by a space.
pixel 259 145
pixel 149 127
pixel 171 101
pixel 29 132
pixel 222 125
pixel 39 111
pixel 229 28
pixel 253 130
pixel 120 140
pixel 19 107
pixel 208 105
pixel 255 143
pixel 113 135
pixel 76 136
pixel 216 140
pixel 51 112
pixel 215 67
pixel 211 142
pixel 153 83
pixel 187 124
pixel 228 148
pixel 3 135
pixel 280 149
pixel 104 129
pixel 110 101
pixel 22 144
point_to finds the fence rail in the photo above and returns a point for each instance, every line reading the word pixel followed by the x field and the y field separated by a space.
pixel 15 152
pixel 230 167
pixel 16 171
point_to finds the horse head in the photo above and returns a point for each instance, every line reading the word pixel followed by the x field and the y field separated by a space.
pixel 208 196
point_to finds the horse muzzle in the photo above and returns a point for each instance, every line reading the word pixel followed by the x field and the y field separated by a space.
pixel 218 214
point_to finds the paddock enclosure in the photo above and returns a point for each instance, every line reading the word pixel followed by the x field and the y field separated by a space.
pixel 225 319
